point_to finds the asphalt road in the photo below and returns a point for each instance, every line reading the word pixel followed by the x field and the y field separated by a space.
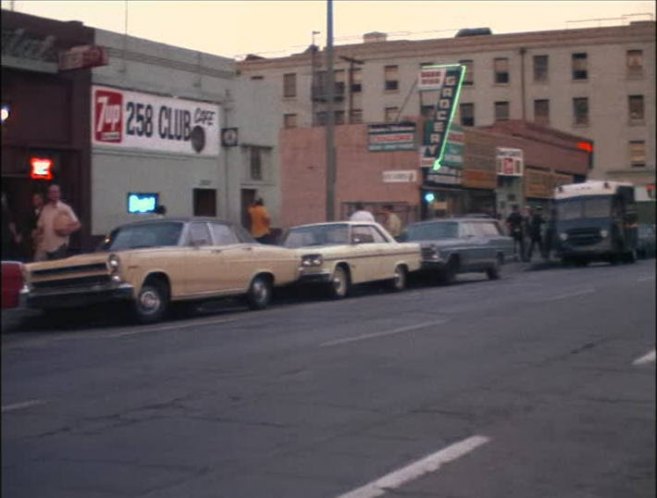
pixel 541 384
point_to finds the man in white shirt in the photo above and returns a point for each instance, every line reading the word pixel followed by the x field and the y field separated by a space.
pixel 361 214
pixel 54 239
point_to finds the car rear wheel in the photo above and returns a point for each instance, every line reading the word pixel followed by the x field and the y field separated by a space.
pixel 152 302
pixel 340 283
pixel 260 292
pixel 493 272
pixel 398 282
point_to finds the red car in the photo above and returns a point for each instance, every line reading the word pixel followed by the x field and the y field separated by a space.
pixel 12 282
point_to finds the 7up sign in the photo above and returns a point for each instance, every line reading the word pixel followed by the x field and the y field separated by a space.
pixel 447 80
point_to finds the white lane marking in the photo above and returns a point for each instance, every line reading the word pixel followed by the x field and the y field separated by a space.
pixel 382 334
pixel 166 327
pixel 21 405
pixel 430 463
pixel 648 358
pixel 645 279
pixel 568 295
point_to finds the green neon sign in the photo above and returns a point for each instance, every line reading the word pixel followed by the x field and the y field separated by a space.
pixel 450 93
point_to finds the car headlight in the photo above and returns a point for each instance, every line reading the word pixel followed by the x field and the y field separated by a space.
pixel 563 236
pixel 433 253
pixel 25 274
pixel 312 260
pixel 114 266
pixel 604 233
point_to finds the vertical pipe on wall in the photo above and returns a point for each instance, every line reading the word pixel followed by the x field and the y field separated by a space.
pixel 523 51
pixel 330 91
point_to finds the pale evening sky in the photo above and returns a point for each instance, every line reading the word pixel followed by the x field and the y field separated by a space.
pixel 278 28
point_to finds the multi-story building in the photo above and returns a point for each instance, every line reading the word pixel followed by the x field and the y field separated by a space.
pixel 597 83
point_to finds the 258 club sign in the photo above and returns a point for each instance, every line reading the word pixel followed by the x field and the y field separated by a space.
pixel 127 119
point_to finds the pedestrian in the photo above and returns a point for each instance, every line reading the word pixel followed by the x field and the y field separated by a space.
pixel 549 242
pixel 361 214
pixel 392 222
pixel 33 249
pixel 514 223
pixel 56 223
pixel 260 222
pixel 535 232
pixel 10 236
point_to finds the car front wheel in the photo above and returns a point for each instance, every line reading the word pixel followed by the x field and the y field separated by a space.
pixel 259 294
pixel 339 286
pixel 398 282
pixel 152 302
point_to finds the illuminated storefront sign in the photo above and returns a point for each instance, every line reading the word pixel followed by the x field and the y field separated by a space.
pixel 447 80
pixel 41 168
pixel 123 119
pixel 140 203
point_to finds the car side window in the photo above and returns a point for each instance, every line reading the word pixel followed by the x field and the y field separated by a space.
pixel 199 235
pixel 488 229
pixel 222 234
pixel 468 230
pixel 362 234
pixel 379 238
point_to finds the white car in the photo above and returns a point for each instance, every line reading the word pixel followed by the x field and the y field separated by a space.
pixel 341 254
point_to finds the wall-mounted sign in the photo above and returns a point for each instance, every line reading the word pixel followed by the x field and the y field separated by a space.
pixel 229 137
pixel 447 79
pixel 481 179
pixel 141 202
pixel 83 57
pixel 41 168
pixel 400 176
pixel 509 162
pixel 443 176
pixel 123 119
pixel 454 148
pixel 385 137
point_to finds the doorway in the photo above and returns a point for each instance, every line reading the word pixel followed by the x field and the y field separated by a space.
pixel 248 197
pixel 205 202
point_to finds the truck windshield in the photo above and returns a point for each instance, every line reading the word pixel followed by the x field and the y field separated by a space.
pixel 584 207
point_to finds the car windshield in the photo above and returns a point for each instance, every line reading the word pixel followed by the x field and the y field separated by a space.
pixel 433 231
pixel 317 235
pixel 143 235
pixel 589 207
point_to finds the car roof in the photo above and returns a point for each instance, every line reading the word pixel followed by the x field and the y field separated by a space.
pixel 453 220
pixel 346 222
pixel 178 219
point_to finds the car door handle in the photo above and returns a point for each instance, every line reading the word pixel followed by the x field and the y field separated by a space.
pixel 217 251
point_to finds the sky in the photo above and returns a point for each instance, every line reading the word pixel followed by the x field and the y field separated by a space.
pixel 273 28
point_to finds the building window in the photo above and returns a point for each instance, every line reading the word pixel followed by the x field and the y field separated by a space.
pixel 634 63
pixel 255 162
pixel 581 110
pixel 580 64
pixel 390 114
pixel 290 120
pixel 356 80
pixel 637 153
pixel 501 67
pixel 501 111
pixel 469 74
pixel 257 78
pixel 339 117
pixel 427 111
pixel 467 114
pixel 636 108
pixel 540 68
pixel 321 118
pixel 425 64
pixel 289 85
pixel 542 112
pixel 338 79
pixel 356 116
pixel 391 78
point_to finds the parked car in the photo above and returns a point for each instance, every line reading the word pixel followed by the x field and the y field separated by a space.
pixel 458 245
pixel 339 255
pixel 645 247
pixel 155 262
pixel 12 282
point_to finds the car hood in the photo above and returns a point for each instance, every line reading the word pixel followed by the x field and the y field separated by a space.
pixel 441 243
pixel 77 260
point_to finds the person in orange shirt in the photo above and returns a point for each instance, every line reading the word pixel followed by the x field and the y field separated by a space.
pixel 260 222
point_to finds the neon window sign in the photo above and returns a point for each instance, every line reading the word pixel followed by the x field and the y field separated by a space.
pixel 142 203
pixel 448 80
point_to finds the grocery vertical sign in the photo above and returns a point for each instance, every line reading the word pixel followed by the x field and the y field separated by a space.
pixel 447 80
pixel 124 119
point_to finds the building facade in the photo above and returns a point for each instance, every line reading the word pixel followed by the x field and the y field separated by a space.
pixel 597 83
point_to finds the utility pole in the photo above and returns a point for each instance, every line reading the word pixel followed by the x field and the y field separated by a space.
pixel 330 124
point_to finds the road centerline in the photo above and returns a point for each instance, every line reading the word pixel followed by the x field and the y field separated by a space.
pixel 426 465
pixel 647 358
pixel 386 333
pixel 23 404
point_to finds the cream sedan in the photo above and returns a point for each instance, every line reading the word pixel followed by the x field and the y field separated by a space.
pixel 338 255
pixel 155 262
